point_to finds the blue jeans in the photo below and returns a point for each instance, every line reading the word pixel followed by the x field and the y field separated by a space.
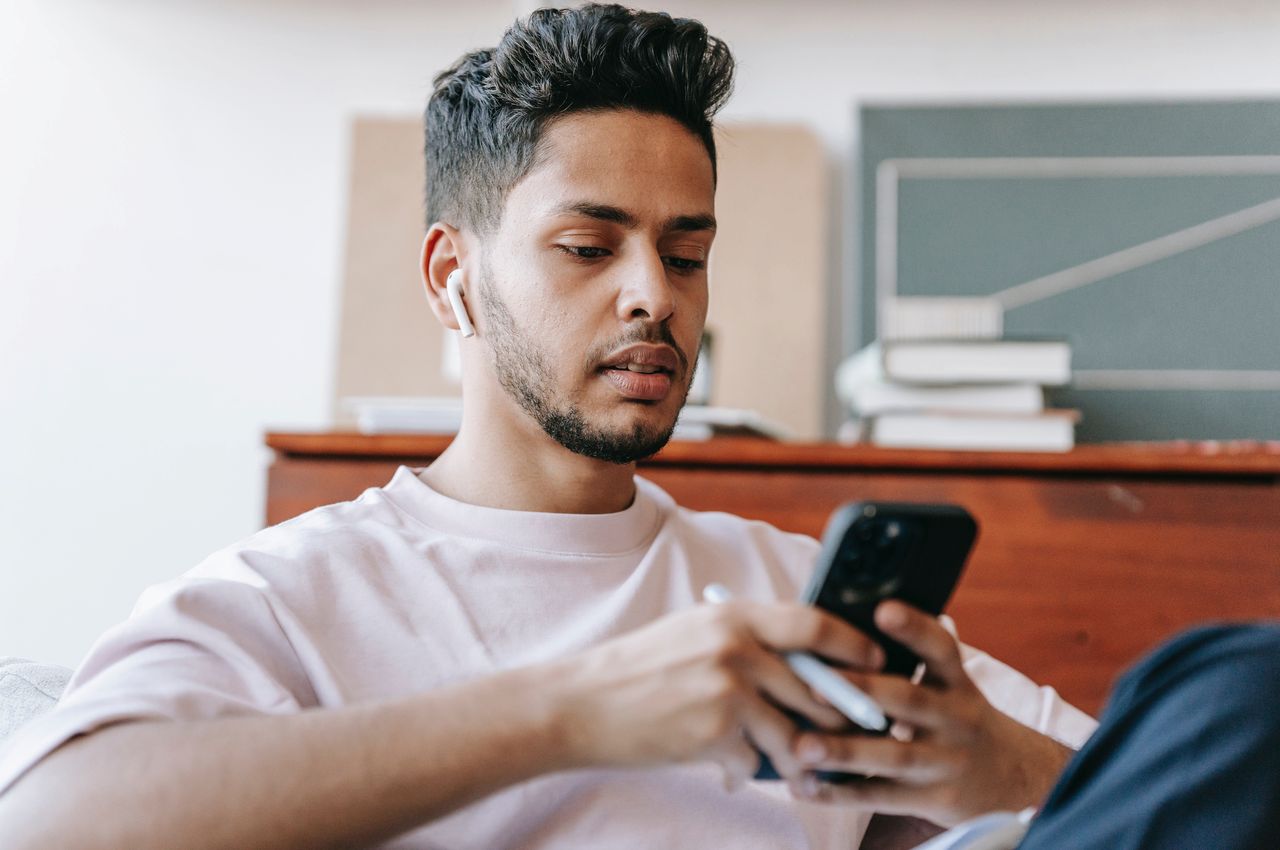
pixel 1187 754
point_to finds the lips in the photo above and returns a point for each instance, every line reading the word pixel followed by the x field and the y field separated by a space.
pixel 642 372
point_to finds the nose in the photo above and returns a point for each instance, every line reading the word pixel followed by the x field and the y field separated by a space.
pixel 646 291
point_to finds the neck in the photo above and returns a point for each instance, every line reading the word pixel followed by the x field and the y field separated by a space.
pixel 503 459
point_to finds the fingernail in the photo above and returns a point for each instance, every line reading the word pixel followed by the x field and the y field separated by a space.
pixel 890 617
pixel 809 787
pixel 811 751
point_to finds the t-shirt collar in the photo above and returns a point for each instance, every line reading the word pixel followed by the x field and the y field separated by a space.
pixel 575 534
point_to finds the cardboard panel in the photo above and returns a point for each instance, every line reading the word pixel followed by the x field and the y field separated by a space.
pixel 389 342
pixel 769 274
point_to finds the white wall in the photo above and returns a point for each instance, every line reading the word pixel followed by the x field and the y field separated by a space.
pixel 172 186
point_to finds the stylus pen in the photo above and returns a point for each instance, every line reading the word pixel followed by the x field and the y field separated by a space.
pixel 849 700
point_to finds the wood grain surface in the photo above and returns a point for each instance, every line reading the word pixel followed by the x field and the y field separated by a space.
pixel 1241 458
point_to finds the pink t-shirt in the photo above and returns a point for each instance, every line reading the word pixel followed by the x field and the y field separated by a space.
pixel 404 590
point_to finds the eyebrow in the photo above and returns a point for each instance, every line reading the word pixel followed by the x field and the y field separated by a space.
pixel 617 215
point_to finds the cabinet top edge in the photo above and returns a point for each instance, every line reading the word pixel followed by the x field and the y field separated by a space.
pixel 1178 458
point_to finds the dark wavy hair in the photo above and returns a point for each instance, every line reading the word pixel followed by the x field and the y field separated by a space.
pixel 488 112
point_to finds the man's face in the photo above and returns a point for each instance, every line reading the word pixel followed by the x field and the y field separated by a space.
pixel 593 289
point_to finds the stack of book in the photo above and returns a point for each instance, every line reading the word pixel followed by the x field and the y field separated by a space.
pixel 701 422
pixel 965 394
pixel 405 414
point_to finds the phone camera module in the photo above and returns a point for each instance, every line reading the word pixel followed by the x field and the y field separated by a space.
pixel 868 561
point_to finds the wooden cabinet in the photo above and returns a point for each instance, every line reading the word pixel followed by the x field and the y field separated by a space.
pixel 1084 561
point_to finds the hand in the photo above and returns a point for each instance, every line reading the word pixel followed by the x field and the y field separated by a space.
pixel 702 684
pixel 965 757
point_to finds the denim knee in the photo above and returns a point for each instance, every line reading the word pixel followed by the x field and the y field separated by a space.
pixel 1225 663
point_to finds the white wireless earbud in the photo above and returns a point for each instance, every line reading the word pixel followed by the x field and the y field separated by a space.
pixel 453 286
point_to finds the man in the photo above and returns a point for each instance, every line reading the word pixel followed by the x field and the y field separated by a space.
pixel 507 649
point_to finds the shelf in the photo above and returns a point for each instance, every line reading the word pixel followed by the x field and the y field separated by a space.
pixel 1232 459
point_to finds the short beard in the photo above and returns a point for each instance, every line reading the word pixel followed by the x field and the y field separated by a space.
pixel 523 372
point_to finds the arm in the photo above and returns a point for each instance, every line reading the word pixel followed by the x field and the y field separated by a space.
pixel 682 689
pixel 323 778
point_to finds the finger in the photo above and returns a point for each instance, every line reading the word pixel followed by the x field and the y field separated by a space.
pixel 911 762
pixel 926 636
pixel 771 731
pixel 785 627
pixel 921 706
pixel 782 686
pixel 883 796
pixel 738 759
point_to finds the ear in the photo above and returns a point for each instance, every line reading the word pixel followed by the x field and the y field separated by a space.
pixel 442 253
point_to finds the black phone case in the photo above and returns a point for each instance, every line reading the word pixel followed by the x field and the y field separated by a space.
pixel 872 551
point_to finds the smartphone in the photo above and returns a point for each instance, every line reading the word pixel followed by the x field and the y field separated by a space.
pixel 872 551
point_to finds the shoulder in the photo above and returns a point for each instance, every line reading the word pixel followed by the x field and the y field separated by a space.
pixel 335 538
pixel 785 557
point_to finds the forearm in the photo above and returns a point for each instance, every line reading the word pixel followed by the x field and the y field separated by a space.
pixel 336 778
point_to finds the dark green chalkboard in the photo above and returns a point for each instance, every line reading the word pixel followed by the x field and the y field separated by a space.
pixel 1182 198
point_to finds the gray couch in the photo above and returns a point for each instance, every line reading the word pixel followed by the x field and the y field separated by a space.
pixel 27 689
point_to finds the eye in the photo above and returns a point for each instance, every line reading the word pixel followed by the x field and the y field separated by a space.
pixel 684 264
pixel 584 252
